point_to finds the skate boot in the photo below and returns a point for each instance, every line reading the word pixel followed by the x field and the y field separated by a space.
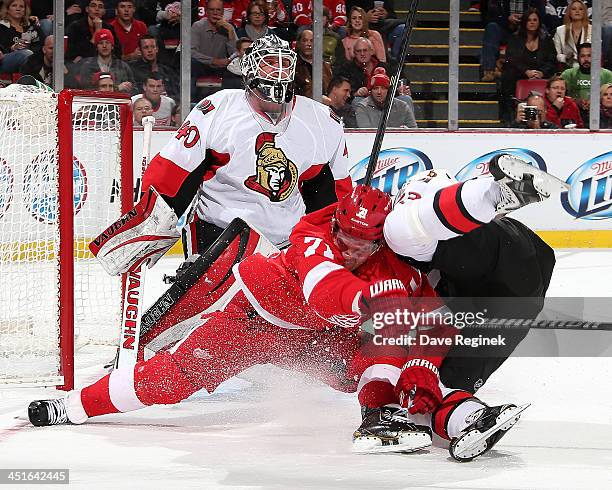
pixel 48 412
pixel 489 426
pixel 388 429
pixel 67 410
pixel 522 183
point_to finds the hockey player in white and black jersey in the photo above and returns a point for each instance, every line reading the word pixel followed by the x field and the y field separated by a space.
pixel 459 233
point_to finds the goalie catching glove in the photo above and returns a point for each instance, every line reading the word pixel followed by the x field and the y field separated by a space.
pixel 143 234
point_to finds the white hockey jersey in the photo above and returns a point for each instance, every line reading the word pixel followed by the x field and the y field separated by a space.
pixel 250 169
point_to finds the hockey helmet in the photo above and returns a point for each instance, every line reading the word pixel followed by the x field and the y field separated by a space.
pixel 268 66
pixel 361 214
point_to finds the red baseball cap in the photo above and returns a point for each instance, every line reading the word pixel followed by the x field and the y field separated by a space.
pixel 104 35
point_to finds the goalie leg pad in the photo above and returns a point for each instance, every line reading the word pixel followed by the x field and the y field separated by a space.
pixel 143 234
pixel 204 287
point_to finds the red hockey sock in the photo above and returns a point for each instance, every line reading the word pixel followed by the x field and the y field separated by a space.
pixel 441 416
pixel 377 394
pixel 156 381
pixel 96 398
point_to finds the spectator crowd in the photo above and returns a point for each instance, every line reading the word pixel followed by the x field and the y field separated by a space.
pixel 547 41
pixel 133 46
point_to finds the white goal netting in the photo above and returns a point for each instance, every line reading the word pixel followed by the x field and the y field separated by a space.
pixel 29 229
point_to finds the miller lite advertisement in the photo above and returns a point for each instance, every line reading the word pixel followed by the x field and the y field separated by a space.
pixel 583 160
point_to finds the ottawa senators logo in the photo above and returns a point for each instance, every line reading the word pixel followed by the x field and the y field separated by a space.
pixel 275 175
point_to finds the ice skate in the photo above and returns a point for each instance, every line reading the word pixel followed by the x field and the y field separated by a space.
pixel 388 429
pixel 481 435
pixel 48 412
pixel 522 183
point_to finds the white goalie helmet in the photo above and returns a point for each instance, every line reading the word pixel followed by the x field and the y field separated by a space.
pixel 268 66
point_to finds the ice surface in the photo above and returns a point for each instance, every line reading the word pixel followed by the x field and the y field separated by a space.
pixel 274 429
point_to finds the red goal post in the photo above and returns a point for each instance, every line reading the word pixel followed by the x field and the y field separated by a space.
pixel 66 160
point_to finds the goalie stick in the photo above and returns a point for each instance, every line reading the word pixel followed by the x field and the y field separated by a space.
pixel 134 280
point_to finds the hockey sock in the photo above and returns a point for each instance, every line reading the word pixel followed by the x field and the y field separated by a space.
pixel 459 208
pixel 449 419
pixel 156 381
pixel 377 394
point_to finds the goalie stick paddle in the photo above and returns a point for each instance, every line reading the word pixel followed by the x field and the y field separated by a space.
pixel 134 280
pixel 184 281
pixel 382 125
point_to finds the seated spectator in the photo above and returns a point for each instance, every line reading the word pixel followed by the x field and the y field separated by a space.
pixel 359 69
pixel 106 61
pixel 163 106
pixel 104 82
pixel 233 77
pixel 303 65
pixel 256 25
pixel 578 80
pixel 338 94
pixel 153 12
pixel 605 116
pixel 535 117
pixel 128 29
pixel 380 16
pixel 81 33
pixel 606 32
pixel 40 66
pixel 20 36
pixel 141 107
pixel 530 54
pixel 574 31
pixel 74 11
pixel 148 64
pixel 213 40
pixel 333 50
pixel 561 109
pixel 169 34
pixel 277 15
pixel 43 11
pixel 369 111
pixel 358 27
pixel 501 18
pixel 301 13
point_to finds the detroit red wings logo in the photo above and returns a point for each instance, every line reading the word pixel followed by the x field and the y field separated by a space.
pixel 275 175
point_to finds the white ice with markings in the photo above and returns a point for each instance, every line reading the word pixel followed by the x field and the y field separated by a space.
pixel 273 429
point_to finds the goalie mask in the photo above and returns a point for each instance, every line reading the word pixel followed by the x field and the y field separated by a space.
pixel 268 66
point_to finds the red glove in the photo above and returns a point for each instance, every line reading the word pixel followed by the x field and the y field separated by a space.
pixel 382 295
pixel 418 386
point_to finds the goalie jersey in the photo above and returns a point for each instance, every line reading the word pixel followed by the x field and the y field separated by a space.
pixel 268 175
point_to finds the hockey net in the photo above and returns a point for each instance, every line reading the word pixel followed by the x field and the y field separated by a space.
pixel 65 174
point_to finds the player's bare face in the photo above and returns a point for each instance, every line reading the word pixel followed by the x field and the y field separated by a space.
pixel 355 251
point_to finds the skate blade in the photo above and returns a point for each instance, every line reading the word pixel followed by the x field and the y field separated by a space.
pixel 508 419
pixel 545 183
pixel 406 447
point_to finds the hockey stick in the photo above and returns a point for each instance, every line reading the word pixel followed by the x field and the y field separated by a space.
pixel 517 323
pixel 382 125
pixel 134 280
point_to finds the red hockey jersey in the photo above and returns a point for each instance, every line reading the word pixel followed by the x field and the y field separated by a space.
pixel 307 285
pixel 301 11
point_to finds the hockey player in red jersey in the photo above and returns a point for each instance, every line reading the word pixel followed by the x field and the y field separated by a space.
pixel 301 309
